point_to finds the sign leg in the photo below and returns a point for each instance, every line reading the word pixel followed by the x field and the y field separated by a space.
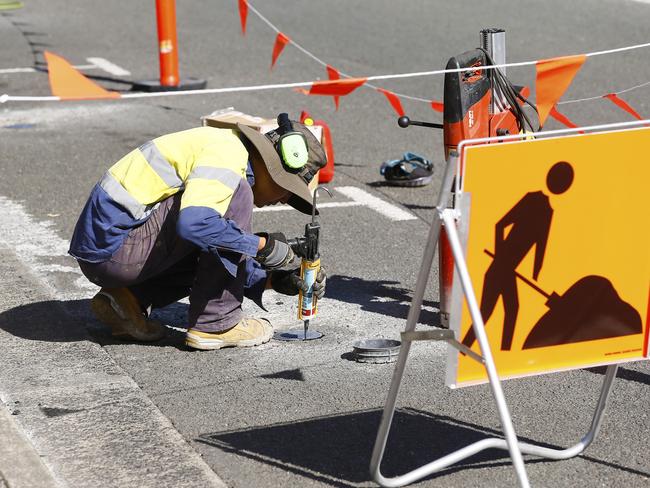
pixel 479 329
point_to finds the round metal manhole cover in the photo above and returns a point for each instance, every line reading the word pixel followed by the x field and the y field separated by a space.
pixel 376 350
pixel 296 335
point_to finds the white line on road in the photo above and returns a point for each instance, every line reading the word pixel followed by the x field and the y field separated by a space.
pixel 360 198
pixel 109 67
pixel 377 204
pixel 95 63
pixel 34 70
pixel 279 208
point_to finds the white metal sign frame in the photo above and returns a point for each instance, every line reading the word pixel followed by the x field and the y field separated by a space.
pixel 448 217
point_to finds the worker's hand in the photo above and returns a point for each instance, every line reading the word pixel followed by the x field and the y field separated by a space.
pixel 290 283
pixel 276 253
pixel 319 284
pixel 287 282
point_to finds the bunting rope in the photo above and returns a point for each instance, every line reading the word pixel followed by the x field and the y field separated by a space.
pixel 302 84
pixel 337 87
pixel 16 98
pixel 601 96
pixel 320 61
pixel 553 77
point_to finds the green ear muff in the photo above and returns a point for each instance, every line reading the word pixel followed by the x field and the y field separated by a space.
pixel 292 145
pixel 293 149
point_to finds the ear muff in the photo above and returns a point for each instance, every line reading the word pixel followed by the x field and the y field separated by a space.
pixel 292 145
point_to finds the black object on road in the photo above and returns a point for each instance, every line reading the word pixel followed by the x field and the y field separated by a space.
pixel 412 170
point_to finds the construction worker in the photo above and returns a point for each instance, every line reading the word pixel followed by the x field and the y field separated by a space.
pixel 172 219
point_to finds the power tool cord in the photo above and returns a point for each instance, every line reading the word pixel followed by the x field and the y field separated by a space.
pixel 503 85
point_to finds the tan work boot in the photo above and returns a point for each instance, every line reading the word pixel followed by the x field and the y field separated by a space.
pixel 247 333
pixel 118 308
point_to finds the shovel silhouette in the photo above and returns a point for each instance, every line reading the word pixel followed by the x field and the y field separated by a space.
pixel 590 309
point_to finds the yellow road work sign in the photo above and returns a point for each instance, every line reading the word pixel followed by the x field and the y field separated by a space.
pixel 558 250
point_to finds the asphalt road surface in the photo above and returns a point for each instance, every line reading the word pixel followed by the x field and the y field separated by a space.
pixel 286 414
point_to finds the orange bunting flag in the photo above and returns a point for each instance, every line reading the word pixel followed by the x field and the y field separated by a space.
pixel 68 84
pixel 437 106
pixel 336 87
pixel 553 78
pixel 243 14
pixel 280 41
pixel 563 119
pixel 394 101
pixel 623 104
pixel 301 90
pixel 333 74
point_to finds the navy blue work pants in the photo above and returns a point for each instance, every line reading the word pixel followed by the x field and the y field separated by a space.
pixel 160 268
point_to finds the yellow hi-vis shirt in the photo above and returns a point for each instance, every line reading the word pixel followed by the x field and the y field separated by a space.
pixel 205 163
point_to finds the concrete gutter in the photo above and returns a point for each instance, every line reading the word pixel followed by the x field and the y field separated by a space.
pixel 76 418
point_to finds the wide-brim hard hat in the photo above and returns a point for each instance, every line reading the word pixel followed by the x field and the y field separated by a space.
pixel 294 181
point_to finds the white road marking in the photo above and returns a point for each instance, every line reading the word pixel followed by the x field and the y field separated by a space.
pixel 35 243
pixel 109 67
pixel 377 204
pixel 16 70
pixel 359 198
pixel 34 70
pixel 279 208
pixel 95 63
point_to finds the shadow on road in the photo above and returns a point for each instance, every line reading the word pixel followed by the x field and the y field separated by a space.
pixel 336 450
pixel 381 297
pixel 72 321
pixel 624 373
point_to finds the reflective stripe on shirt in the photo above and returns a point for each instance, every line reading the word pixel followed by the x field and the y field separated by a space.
pixel 225 176
pixel 119 194
pixel 206 164
pixel 160 165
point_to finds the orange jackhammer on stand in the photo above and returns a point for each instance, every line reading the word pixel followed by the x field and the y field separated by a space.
pixel 477 103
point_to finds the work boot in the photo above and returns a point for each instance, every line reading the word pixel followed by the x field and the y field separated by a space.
pixel 119 309
pixel 247 333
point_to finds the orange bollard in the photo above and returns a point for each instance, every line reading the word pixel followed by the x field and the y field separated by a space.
pixel 167 42
pixel 446 276
pixel 168 55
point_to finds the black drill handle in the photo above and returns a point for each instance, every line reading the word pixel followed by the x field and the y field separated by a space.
pixel 307 247
pixel 404 122
pixel 312 236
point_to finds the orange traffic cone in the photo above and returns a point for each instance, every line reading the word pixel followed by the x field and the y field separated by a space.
pixel 326 174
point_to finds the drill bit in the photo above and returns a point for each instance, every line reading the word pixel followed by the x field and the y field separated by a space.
pixel 306 325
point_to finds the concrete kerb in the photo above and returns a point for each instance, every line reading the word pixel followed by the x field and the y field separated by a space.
pixel 77 419
pixel 20 464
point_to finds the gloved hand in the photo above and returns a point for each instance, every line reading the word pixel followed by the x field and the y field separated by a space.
pixel 276 253
pixel 319 284
pixel 290 283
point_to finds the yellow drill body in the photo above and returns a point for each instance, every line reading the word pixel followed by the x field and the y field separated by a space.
pixel 308 302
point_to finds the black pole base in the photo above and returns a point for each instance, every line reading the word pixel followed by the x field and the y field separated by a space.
pixel 155 86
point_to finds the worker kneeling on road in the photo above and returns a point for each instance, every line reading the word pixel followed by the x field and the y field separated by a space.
pixel 172 219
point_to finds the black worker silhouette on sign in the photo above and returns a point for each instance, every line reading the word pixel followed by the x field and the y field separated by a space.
pixel 529 222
